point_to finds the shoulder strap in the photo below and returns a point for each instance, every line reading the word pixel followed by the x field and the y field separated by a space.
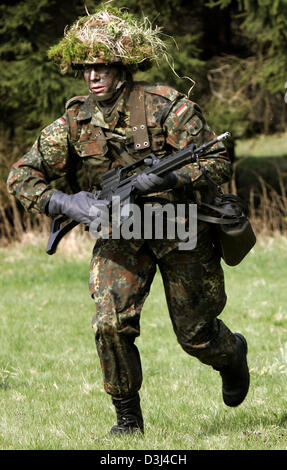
pixel 76 99
pixel 218 220
pixel 138 117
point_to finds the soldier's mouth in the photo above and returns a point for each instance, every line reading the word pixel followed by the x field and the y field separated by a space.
pixel 98 89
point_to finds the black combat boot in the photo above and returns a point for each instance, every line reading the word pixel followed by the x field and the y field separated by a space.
pixel 235 377
pixel 129 416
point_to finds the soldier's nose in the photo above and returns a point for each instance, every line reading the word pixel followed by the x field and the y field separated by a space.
pixel 94 75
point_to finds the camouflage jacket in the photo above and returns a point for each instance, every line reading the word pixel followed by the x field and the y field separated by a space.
pixel 75 139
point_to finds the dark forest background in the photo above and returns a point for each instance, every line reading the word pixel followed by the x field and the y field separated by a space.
pixel 235 51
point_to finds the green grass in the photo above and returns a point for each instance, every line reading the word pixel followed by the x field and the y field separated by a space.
pixel 51 392
pixel 263 146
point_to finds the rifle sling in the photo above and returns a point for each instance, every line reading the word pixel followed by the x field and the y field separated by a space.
pixel 219 220
pixel 138 117
pixel 137 122
pixel 138 125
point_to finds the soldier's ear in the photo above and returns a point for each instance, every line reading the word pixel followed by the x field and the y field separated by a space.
pixel 123 77
pixel 126 75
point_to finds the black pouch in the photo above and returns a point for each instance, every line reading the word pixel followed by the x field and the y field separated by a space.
pixel 233 233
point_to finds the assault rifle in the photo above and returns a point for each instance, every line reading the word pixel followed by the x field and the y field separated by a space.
pixel 120 182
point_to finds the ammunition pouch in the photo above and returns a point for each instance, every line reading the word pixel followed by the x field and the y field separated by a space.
pixel 233 233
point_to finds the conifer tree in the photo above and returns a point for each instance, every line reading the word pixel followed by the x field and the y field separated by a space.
pixel 261 73
pixel 32 92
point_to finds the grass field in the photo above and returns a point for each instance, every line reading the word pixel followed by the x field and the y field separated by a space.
pixel 51 391
pixel 263 146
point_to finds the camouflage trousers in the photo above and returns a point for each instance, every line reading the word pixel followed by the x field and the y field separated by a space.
pixel 120 280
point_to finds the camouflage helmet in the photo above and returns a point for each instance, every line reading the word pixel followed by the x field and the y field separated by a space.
pixel 110 35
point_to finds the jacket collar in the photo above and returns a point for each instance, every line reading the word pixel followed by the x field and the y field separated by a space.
pixel 90 111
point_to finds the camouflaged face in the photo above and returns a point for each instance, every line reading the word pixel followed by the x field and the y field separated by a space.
pixel 173 122
pixel 120 280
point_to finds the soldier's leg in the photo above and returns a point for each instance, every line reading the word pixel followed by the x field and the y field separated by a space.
pixel 194 286
pixel 120 280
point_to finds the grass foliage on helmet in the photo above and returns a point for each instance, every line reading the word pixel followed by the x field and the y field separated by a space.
pixel 110 35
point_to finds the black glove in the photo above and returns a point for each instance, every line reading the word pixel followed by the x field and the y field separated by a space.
pixel 83 207
pixel 152 183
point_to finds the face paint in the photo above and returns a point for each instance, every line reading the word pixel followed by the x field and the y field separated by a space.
pixel 102 80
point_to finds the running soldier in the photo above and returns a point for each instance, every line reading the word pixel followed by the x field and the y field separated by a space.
pixel 120 121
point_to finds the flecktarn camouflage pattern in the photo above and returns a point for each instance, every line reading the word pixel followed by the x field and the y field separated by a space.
pixel 120 280
pixel 51 156
pixel 121 271
pixel 97 139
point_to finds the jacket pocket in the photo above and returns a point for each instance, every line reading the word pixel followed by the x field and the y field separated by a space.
pixel 90 148
pixel 157 138
pixel 92 142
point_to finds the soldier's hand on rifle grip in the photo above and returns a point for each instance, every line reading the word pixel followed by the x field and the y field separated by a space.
pixel 151 183
pixel 79 207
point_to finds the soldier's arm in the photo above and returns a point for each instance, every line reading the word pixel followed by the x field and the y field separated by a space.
pixel 185 125
pixel 30 177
